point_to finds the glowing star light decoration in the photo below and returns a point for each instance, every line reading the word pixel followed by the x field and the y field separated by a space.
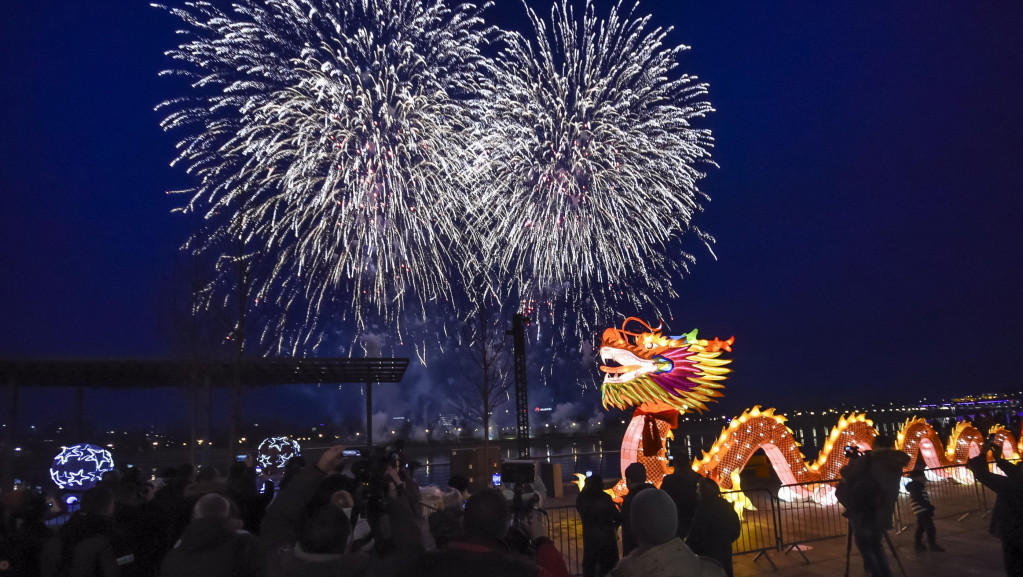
pixel 79 467
pixel 663 377
pixel 275 452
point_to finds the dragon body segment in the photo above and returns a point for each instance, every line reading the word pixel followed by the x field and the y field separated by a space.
pixel 757 429
pixel 763 429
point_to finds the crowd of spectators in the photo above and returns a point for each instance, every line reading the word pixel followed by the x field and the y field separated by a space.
pixel 346 517
pixel 326 518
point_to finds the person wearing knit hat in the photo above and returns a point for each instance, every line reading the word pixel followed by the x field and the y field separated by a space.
pixel 660 553
pixel 635 480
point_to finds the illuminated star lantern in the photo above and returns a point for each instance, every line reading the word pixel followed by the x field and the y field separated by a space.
pixel 79 467
pixel 275 452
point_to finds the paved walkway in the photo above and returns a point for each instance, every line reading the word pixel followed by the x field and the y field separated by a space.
pixel 970 550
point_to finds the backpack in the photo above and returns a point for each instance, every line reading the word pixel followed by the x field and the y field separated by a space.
pixel 858 491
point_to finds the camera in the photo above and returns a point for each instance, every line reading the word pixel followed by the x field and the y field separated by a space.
pixel 852 451
pixel 354 452
pixel 518 472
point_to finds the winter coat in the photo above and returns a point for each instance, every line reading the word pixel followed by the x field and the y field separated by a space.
pixel 628 536
pixel 920 501
pixel 599 516
pixel 715 527
pixel 84 549
pixel 886 466
pixel 1007 513
pixel 667 560
pixel 473 558
pixel 681 487
pixel 214 547
pixel 283 520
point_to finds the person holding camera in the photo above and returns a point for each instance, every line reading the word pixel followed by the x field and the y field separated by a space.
pixel 299 541
pixel 869 490
pixel 1007 514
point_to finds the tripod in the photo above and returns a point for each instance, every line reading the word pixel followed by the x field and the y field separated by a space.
pixel 891 547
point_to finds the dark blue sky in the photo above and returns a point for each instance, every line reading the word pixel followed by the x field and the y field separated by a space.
pixel 867 210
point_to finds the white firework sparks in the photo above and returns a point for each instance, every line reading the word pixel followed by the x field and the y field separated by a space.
pixel 332 137
pixel 594 162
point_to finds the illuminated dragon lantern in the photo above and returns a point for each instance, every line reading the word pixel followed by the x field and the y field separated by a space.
pixel 663 377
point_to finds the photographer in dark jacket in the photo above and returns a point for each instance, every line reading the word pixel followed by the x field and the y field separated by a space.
pixel 881 470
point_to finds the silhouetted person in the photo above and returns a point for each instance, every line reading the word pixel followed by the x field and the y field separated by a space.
pixel 681 485
pixel 600 519
pixel 32 535
pixel 84 548
pixel 1007 513
pixel 635 480
pixel 446 524
pixel 482 549
pixel 241 488
pixel 214 544
pixel 924 511
pixel 659 552
pixel 300 543
pixel 715 525
pixel 881 470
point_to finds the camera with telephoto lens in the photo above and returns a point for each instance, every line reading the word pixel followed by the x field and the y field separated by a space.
pixel 852 451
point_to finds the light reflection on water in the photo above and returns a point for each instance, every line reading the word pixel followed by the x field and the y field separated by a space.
pixel 574 457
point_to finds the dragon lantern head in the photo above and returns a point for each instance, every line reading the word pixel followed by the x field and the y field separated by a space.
pixel 648 367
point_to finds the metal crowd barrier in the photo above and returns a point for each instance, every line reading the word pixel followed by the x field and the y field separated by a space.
pixel 952 491
pixel 787 525
pixel 565 529
pixel 759 526
pixel 810 514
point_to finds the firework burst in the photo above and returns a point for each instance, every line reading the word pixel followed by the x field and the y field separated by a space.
pixel 594 163
pixel 332 137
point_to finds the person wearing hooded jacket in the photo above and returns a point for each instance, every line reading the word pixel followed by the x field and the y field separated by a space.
pixel 213 544
pixel 659 551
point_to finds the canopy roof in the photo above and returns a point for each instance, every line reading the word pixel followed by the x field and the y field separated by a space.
pixel 151 373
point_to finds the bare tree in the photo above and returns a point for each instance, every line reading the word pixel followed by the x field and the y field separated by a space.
pixel 485 370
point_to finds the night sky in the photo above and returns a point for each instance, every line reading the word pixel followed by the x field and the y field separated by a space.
pixel 867 208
